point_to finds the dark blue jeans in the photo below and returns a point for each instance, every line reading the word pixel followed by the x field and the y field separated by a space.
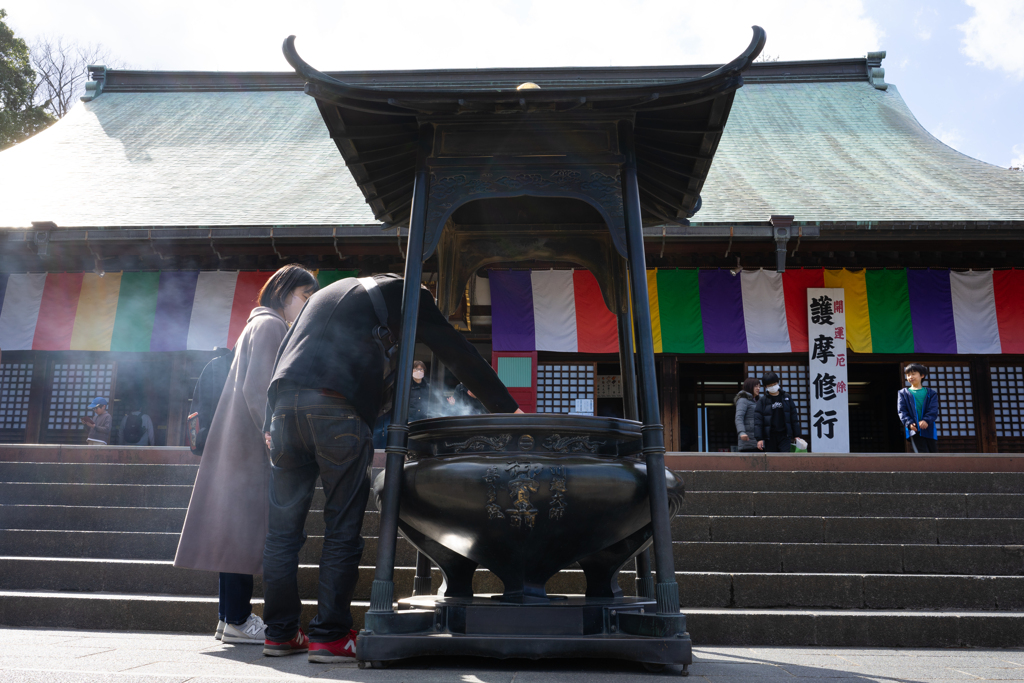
pixel 235 598
pixel 313 435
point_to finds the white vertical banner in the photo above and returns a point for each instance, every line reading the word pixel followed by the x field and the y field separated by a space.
pixel 829 386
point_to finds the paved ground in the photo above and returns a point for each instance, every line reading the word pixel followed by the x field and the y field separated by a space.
pixel 45 656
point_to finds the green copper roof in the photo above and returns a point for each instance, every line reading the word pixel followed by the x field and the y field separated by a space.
pixel 846 152
pixel 838 150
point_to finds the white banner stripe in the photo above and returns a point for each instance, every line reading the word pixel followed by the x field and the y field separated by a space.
pixel 764 312
pixel 554 310
pixel 21 311
pixel 974 312
pixel 211 310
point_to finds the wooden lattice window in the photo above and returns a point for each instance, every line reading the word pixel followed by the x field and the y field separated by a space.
pixel 794 381
pixel 1008 399
pixel 956 401
pixel 74 386
pixel 15 387
pixel 559 386
pixel 957 423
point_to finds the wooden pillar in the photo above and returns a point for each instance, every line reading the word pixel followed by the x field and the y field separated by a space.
pixel 41 381
pixel 981 378
pixel 177 399
pixel 670 401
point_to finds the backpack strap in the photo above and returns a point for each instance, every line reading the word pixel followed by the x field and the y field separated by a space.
pixel 382 335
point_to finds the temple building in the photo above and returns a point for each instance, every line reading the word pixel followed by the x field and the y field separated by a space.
pixel 138 229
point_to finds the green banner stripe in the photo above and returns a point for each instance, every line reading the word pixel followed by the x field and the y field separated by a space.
pixel 326 277
pixel 889 311
pixel 136 311
pixel 679 305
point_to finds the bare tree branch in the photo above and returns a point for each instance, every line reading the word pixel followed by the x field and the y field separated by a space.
pixel 60 65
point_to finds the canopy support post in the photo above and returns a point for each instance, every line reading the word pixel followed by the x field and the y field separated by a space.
pixel 652 430
pixel 382 593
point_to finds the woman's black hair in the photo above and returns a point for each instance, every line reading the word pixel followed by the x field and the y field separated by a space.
pixel 282 283
pixel 749 384
pixel 916 367
pixel 420 363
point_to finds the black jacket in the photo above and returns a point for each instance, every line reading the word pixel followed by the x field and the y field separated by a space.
pixel 419 400
pixel 330 346
pixel 763 415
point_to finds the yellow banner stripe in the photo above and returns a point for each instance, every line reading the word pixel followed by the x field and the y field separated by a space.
pixel 858 322
pixel 652 296
pixel 97 308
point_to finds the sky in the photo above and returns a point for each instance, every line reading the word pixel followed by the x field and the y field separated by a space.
pixel 959 64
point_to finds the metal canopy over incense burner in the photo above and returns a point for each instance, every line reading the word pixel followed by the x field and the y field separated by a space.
pixel 486 173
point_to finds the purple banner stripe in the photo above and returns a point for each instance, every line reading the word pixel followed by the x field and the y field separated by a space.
pixel 931 311
pixel 512 311
pixel 173 310
pixel 721 309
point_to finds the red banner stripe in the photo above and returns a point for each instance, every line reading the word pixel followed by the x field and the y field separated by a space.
pixel 794 287
pixel 57 312
pixel 596 326
pixel 247 288
pixel 1009 295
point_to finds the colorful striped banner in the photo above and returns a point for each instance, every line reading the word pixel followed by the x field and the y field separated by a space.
pixel 168 311
pixel 901 312
pixel 551 310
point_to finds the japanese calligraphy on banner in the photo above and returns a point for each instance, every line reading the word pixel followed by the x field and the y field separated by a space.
pixel 826 336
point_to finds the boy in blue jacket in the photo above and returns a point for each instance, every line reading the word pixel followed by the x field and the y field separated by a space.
pixel 918 407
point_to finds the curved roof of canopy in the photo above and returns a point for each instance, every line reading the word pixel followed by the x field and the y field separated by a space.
pixel 677 125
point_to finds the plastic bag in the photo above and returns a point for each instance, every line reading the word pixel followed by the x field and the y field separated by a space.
pixel 799 446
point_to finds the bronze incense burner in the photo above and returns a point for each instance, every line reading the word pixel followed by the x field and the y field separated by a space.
pixel 525 497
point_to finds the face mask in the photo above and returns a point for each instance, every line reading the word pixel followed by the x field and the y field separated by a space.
pixel 773 389
pixel 417 374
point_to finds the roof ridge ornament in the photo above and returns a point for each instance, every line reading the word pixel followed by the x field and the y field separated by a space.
pixel 97 79
pixel 876 74
pixel 405 100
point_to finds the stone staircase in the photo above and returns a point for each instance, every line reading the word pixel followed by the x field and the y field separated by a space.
pixel 762 558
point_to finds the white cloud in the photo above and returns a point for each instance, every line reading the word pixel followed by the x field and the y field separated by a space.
pixel 1018 160
pixel 994 36
pixel 403 34
pixel 949 135
pixel 923 21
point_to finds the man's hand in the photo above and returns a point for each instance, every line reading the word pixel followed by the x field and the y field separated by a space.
pixel 269 442
pixel 519 411
pixel 923 424
pixel 744 437
pixel 87 421
pixel 760 445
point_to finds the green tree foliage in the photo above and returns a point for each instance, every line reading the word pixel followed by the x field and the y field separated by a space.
pixel 19 117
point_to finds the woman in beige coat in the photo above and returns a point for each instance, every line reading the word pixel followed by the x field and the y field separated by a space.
pixel 226 524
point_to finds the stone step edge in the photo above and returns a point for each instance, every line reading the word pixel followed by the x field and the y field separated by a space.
pixel 625 572
pixel 783 611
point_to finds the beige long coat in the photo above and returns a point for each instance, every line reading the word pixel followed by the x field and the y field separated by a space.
pixel 226 525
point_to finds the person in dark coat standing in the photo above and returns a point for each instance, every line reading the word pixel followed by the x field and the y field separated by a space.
pixel 776 421
pixel 745 422
pixel 419 393
pixel 328 387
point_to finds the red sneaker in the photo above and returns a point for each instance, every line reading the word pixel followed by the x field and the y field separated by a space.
pixel 341 650
pixel 300 643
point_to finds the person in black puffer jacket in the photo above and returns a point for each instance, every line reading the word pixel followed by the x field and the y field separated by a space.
pixel 776 423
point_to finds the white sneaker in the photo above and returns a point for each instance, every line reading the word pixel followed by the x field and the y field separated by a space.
pixel 252 631
pixel 219 633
